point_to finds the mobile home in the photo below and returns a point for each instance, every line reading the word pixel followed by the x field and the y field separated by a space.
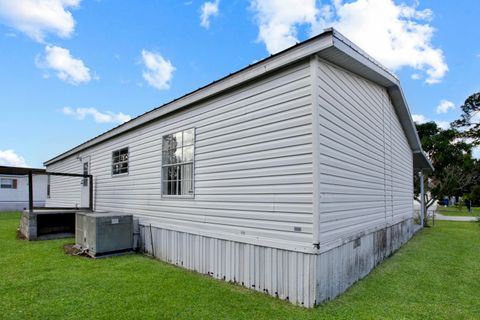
pixel 292 176
pixel 14 190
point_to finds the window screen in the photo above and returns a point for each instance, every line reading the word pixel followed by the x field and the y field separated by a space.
pixel 120 161
pixel 177 163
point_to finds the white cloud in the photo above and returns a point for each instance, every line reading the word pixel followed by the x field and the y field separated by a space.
pixel 476 152
pixel 208 10
pixel 443 124
pixel 10 158
pixel 396 35
pixel 419 118
pixel 416 76
pixel 278 20
pixel 444 106
pixel 475 149
pixel 158 72
pixel 37 18
pixel 67 68
pixel 105 117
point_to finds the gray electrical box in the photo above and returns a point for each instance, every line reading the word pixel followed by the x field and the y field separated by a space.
pixel 104 233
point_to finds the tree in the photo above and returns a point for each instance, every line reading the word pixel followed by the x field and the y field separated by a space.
pixel 469 122
pixel 474 195
pixel 452 159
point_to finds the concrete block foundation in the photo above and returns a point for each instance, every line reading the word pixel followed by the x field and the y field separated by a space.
pixel 48 224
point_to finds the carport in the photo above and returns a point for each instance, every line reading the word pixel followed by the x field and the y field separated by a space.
pixel 39 223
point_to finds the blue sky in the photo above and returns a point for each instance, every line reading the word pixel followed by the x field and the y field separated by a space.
pixel 73 69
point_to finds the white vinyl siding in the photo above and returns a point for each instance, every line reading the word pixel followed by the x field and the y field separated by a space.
pixel 366 173
pixel 253 166
pixel 66 191
pixel 402 172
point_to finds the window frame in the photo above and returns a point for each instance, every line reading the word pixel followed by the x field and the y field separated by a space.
pixel 11 186
pixel 162 166
pixel 120 174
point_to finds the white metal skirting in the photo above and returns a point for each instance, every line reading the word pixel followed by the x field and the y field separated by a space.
pixel 339 268
pixel 280 273
pixel 301 278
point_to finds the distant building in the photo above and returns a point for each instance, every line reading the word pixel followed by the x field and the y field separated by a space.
pixel 14 191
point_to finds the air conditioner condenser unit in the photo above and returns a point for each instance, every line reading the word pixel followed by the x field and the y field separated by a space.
pixel 101 234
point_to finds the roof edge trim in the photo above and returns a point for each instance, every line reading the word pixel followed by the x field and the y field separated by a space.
pixel 395 92
pixel 267 65
pixel 330 38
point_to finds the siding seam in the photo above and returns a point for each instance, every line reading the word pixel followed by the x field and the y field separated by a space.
pixel 315 150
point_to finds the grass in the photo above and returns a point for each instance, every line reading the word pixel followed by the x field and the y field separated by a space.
pixel 435 276
pixel 453 211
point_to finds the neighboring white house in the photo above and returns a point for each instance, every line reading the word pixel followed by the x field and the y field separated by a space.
pixel 14 192
pixel 293 176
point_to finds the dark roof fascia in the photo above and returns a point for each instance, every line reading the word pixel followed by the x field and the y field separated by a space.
pixel 6 170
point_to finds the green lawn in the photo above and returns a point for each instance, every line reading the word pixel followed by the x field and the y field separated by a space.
pixel 452 211
pixel 435 276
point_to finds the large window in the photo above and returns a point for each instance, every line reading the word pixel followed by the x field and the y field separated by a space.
pixel 8 183
pixel 120 161
pixel 177 163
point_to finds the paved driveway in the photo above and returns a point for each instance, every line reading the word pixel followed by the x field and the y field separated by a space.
pixel 438 216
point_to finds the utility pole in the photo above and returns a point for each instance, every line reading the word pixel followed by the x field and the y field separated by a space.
pixel 422 198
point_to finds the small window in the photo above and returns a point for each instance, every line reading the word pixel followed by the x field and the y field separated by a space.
pixel 8 183
pixel 85 172
pixel 48 186
pixel 120 161
pixel 177 163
